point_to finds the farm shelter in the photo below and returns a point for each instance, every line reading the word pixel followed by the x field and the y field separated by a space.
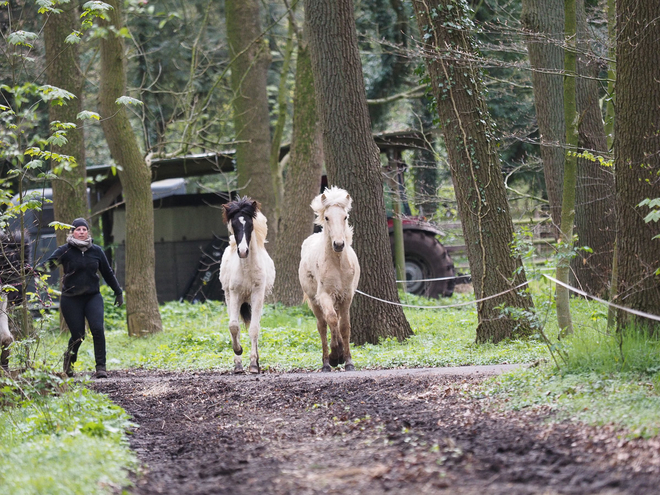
pixel 189 233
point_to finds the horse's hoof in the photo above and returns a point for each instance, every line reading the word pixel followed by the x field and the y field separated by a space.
pixel 333 362
pixel 349 367
pixel 326 368
pixel 239 351
pixel 255 370
pixel 238 370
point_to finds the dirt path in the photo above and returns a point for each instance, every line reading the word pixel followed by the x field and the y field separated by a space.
pixel 395 431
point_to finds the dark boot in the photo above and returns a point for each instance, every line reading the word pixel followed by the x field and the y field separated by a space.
pixel 100 372
pixel 67 366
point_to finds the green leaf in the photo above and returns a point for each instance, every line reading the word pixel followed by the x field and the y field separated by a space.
pixel 73 38
pixel 55 94
pixel 87 115
pixel 96 9
pixel 32 164
pixel 22 38
pixel 654 216
pixel 57 139
pixel 127 100
pixel 60 225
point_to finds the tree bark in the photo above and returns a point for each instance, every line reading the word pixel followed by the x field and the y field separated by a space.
pixel 302 184
pixel 63 71
pixel 250 59
pixel 566 227
pixel 544 21
pixel 475 167
pixel 353 163
pixel 595 210
pixel 637 160
pixel 142 313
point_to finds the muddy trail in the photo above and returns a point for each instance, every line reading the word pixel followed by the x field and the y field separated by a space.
pixel 363 433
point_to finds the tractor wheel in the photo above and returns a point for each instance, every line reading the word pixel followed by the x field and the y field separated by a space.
pixel 426 258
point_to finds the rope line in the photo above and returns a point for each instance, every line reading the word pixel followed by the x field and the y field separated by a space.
pixel 442 307
pixel 622 308
pixel 429 279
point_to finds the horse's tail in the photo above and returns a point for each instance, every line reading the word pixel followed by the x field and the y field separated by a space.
pixel 246 313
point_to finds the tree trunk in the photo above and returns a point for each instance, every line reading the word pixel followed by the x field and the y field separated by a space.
pixel 250 59
pixel 544 21
pixel 637 161
pixel 302 184
pixel 611 71
pixel 570 171
pixel 353 162
pixel 142 313
pixel 595 212
pixel 475 168
pixel 63 71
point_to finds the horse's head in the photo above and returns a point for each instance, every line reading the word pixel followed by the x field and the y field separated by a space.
pixel 331 210
pixel 239 216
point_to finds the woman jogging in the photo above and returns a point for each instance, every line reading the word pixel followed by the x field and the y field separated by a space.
pixel 81 299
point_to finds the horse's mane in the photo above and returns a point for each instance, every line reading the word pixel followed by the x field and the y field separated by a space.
pixel 244 205
pixel 250 208
pixel 333 196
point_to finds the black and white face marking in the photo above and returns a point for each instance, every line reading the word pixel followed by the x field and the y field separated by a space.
pixel 242 227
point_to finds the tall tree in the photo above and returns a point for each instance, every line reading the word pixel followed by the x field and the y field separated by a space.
pixel 475 166
pixel 63 71
pixel 353 162
pixel 142 313
pixel 543 21
pixel 302 182
pixel 570 169
pixel 637 160
pixel 595 212
pixel 250 58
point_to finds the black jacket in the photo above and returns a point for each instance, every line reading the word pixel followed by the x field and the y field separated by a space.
pixel 81 269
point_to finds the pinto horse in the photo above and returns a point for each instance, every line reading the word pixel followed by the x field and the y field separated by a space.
pixel 247 274
pixel 11 280
pixel 329 273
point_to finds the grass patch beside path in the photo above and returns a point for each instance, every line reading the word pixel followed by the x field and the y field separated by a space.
pixel 58 437
pixel 608 378
pixel 196 337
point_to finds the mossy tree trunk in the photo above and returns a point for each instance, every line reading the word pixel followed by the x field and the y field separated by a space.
pixel 543 21
pixel 63 71
pixel 637 161
pixel 475 168
pixel 595 209
pixel 570 170
pixel 302 183
pixel 353 163
pixel 250 59
pixel 142 313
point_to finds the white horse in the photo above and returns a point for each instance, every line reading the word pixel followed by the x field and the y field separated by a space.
pixel 5 335
pixel 329 273
pixel 10 278
pixel 247 274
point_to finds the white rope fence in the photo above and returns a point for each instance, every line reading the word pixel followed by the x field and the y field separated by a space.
pixel 443 307
pixel 430 279
pixel 622 308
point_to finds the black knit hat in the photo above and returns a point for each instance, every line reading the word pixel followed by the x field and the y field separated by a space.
pixel 80 222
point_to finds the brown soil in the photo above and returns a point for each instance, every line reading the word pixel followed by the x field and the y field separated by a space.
pixel 363 433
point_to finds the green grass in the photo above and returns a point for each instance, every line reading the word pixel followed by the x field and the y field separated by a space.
pixel 606 378
pixel 196 337
pixel 58 437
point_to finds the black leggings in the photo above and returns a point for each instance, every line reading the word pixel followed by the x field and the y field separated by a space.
pixel 74 310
